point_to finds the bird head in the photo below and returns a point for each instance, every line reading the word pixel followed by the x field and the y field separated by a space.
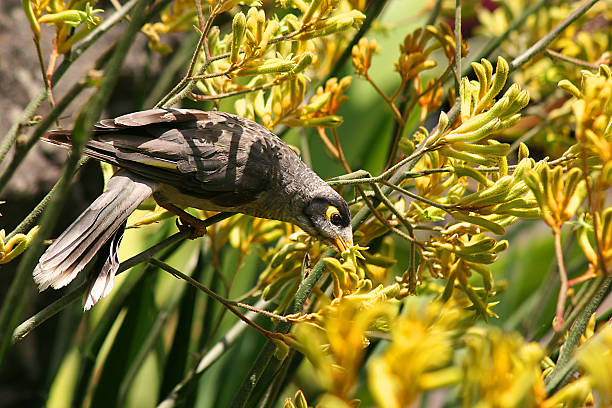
pixel 328 218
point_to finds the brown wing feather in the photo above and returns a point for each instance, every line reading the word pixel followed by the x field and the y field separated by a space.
pixel 218 156
pixel 156 116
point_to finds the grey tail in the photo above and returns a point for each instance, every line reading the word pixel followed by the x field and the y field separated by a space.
pixel 105 269
pixel 87 235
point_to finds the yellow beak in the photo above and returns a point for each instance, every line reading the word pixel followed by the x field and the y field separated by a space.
pixel 341 244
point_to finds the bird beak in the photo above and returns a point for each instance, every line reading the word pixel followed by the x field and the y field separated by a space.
pixel 342 244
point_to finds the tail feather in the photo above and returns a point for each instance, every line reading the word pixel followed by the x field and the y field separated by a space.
pixel 97 223
pixel 84 238
pixel 104 281
pixel 99 150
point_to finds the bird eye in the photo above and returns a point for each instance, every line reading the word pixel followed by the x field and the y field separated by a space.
pixel 333 215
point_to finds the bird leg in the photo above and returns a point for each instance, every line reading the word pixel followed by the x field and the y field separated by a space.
pixel 186 220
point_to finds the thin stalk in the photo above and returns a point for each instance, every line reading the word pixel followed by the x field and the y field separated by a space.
pixel 177 62
pixel 46 123
pixel 540 45
pixel 575 61
pixel 591 289
pixel 565 364
pixel 164 266
pixel 417 197
pixel 495 42
pixel 41 63
pixel 396 114
pixel 364 177
pixel 385 200
pixel 233 93
pixel 457 45
pixel 563 277
pixel 28 113
pixel 54 308
pixel 28 222
pixel 184 87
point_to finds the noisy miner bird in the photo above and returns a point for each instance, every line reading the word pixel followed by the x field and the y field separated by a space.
pixel 188 158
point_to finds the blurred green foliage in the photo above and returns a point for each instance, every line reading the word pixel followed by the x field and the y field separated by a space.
pixel 482 225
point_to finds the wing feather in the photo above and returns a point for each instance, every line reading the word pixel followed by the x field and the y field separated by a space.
pixel 212 155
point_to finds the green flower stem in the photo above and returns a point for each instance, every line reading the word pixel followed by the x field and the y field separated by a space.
pixel 457 45
pixel 279 376
pixel 23 149
pixel 54 308
pixel 28 113
pixel 177 62
pixel 591 288
pixel 266 353
pixel 255 373
pixel 30 220
pixel 185 86
pixel 566 364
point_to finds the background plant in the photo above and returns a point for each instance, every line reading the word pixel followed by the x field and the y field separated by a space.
pixel 447 149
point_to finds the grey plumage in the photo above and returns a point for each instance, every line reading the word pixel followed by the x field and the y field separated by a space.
pixel 189 158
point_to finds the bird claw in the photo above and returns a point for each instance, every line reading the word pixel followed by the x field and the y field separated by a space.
pixel 198 229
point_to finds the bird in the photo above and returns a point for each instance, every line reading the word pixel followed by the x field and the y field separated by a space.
pixel 209 160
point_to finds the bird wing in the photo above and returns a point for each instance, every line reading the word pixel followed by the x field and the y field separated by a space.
pixel 210 155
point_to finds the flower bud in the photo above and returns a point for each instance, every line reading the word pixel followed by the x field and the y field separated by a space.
pixel 328 121
pixel 271 66
pixel 568 86
pixel 238 30
pixel 501 75
pixel 302 63
pixel 473 136
pixel 489 225
pixel 310 11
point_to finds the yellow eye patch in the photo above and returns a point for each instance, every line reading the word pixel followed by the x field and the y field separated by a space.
pixel 331 210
